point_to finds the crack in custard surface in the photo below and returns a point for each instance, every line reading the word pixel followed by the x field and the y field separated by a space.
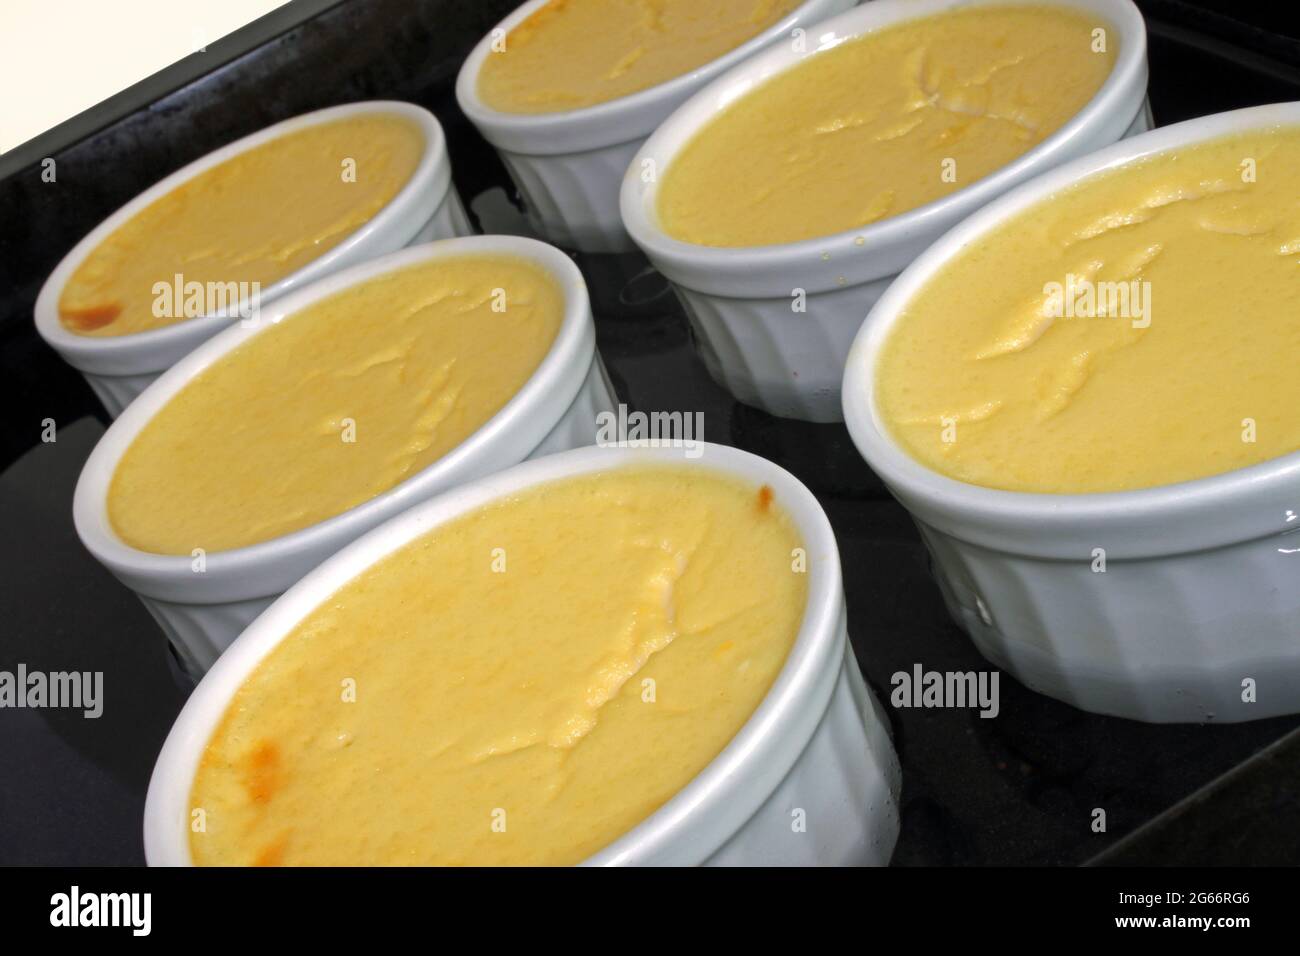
pixel 1197 376
pixel 530 680
pixel 862 132
pixel 336 404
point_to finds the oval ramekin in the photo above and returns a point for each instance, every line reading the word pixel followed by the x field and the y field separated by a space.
pixel 818 741
pixel 1200 588
pixel 119 368
pixel 202 613
pixel 568 166
pixel 739 300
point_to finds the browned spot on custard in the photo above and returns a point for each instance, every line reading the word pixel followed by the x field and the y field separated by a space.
pixel 90 317
pixel 273 853
pixel 262 771
pixel 765 499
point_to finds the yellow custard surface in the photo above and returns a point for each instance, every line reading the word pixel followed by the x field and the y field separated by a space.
pixel 884 123
pixel 572 54
pixel 519 686
pixel 255 218
pixel 1138 329
pixel 335 404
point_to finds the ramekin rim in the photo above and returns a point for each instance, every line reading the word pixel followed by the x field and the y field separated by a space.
pixel 815 651
pixel 574 344
pixel 951 496
pixel 862 242
pixel 608 111
pixel 426 174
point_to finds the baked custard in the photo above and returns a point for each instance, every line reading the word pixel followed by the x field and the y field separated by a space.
pixel 521 685
pixel 337 403
pixel 570 54
pixel 1138 329
pixel 255 218
pixel 884 123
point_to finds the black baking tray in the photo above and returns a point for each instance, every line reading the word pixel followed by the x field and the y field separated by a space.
pixel 1018 789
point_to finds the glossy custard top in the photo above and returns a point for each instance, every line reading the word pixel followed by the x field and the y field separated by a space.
pixel 520 686
pixel 884 123
pixel 255 218
pixel 571 54
pixel 336 404
pixel 1138 329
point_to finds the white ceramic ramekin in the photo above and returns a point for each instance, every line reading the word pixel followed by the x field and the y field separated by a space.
pixel 568 166
pixel 202 613
pixel 119 368
pixel 739 300
pixel 818 742
pixel 1201 588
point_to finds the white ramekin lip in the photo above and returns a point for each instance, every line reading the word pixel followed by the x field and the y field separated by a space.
pixel 1159 520
pixel 852 252
pixel 427 184
pixel 603 124
pixel 573 347
pixel 797 690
